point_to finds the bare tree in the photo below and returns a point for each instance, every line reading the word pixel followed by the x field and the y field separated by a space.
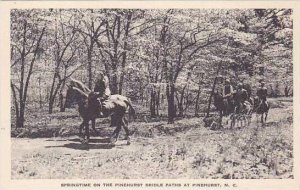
pixel 26 47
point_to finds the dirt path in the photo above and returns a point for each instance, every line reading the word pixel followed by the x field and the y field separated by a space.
pixel 194 152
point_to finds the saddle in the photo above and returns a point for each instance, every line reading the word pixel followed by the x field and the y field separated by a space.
pixel 262 104
pixel 95 103
pixel 242 106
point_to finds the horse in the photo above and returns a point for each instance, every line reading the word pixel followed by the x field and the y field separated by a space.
pixel 261 108
pixel 243 116
pixel 115 107
pixel 248 88
pixel 222 105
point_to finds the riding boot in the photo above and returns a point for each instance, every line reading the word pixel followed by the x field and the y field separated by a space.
pixel 100 113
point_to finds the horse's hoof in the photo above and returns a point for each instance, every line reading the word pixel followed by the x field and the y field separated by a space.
pixel 112 140
pixel 81 139
pixel 85 141
pixel 128 142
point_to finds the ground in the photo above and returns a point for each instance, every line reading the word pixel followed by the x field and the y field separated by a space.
pixel 158 150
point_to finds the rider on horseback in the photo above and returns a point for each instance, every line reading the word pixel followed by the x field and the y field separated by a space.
pixel 241 97
pixel 101 91
pixel 262 93
pixel 228 93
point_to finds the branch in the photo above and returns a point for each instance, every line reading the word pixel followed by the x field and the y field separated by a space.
pixel 32 62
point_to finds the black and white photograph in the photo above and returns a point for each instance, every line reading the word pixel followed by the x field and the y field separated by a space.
pixel 169 93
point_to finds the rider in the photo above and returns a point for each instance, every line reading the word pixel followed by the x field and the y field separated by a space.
pixel 228 92
pixel 241 97
pixel 262 93
pixel 101 90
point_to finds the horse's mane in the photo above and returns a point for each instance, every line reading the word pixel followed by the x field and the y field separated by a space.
pixel 78 84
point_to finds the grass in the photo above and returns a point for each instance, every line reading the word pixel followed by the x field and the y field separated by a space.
pixel 185 149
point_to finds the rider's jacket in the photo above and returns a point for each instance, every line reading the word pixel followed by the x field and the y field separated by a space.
pixel 227 90
pixel 102 87
pixel 262 93
pixel 241 95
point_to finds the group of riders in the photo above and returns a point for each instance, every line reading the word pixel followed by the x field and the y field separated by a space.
pixel 237 99
pixel 241 97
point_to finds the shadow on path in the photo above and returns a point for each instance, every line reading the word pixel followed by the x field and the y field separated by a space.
pixel 104 140
pixel 79 146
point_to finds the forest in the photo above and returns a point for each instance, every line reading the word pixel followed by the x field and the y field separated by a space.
pixel 169 62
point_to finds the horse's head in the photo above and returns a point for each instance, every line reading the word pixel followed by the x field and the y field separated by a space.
pixel 217 96
pixel 255 101
pixel 218 99
pixel 75 92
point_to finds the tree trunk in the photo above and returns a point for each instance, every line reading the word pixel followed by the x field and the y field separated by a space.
pixel 171 102
pixel 53 94
pixel 51 103
pixel 180 103
pixel 16 105
pixel 51 98
pixel 197 102
pixel 287 91
pixel 124 55
pixel 24 81
pixel 62 106
pixel 114 81
pixel 152 103
pixel 213 89
pixel 157 103
pixel 20 122
pixel 90 77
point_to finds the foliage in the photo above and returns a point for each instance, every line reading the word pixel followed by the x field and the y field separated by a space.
pixel 168 60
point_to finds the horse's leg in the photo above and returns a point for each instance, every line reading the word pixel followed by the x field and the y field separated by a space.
pixel 232 124
pixel 245 121
pixel 249 120
pixel 221 118
pixel 120 123
pixel 239 122
pixel 80 130
pixel 249 117
pixel 87 132
pixel 94 126
pixel 125 126
pixel 262 118
pixel 115 134
pixel 266 116
pixel 119 127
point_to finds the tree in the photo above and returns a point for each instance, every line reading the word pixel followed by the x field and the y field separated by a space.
pixel 65 50
pixel 27 31
pixel 121 27
pixel 90 25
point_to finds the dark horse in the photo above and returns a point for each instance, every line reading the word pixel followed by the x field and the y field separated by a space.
pixel 261 108
pixel 115 107
pixel 222 105
pixel 226 108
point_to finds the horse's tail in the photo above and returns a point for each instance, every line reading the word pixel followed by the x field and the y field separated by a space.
pixel 131 111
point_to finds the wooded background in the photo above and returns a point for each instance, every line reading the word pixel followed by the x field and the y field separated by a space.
pixel 167 61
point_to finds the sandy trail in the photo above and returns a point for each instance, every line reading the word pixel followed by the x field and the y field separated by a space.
pixel 194 153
